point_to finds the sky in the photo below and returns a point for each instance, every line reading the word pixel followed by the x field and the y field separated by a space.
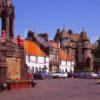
pixel 49 15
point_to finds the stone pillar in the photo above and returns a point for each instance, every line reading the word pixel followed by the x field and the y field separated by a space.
pixel 3 23
pixel 11 27
pixel 7 26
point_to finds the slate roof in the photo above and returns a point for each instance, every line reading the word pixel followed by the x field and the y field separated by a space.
pixel 42 41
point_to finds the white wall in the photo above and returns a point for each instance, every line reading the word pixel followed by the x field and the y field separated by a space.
pixel 66 65
pixel 37 63
pixel 63 66
pixel 41 60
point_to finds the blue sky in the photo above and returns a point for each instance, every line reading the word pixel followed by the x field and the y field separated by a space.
pixel 48 15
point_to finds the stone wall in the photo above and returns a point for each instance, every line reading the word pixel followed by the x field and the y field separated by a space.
pixel 11 51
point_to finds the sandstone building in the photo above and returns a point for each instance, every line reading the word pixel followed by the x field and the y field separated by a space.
pixel 76 45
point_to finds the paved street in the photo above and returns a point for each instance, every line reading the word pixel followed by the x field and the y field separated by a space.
pixel 57 89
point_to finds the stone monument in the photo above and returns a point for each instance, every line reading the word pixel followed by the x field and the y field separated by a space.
pixel 12 64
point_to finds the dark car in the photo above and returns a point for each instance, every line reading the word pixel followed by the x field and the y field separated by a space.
pixel 79 75
pixel 33 83
pixel 41 75
pixel 76 74
pixel 70 75
pixel 3 86
pixel 98 75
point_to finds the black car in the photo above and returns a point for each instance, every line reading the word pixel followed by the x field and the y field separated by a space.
pixel 3 86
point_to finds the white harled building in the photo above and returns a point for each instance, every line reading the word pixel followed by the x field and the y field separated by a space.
pixel 36 59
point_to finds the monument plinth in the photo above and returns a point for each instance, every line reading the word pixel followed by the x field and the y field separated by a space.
pixel 12 62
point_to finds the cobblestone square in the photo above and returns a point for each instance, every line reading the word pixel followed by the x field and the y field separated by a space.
pixel 57 89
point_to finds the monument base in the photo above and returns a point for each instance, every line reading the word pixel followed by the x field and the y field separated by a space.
pixel 12 62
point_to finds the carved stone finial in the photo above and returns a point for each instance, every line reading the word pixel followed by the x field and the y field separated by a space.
pixel 8 2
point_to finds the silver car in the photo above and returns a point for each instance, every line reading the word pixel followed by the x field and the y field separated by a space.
pixel 59 75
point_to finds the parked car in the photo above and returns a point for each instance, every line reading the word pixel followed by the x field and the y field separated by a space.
pixel 41 75
pixel 70 75
pixel 59 75
pixel 85 75
pixel 3 86
pixel 98 75
pixel 93 75
pixel 78 74
pixel 81 75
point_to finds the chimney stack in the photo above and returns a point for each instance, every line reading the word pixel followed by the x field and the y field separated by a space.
pixel 30 34
pixel 44 36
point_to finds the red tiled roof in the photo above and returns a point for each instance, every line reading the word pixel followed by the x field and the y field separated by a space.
pixel 71 57
pixel 63 56
pixel 32 48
